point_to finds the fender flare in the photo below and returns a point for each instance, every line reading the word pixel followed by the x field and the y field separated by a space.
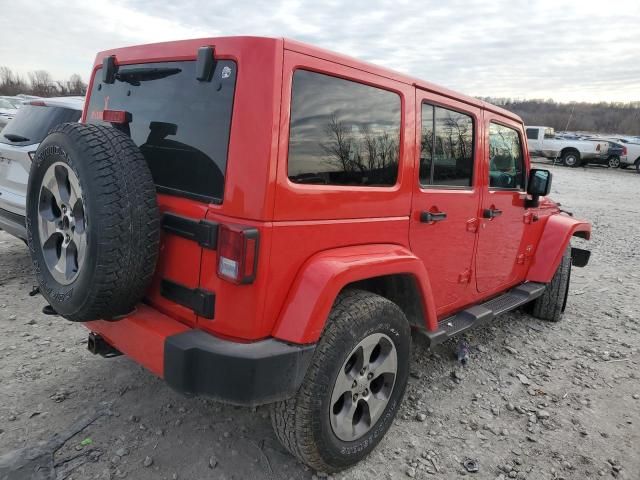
pixel 326 273
pixel 555 238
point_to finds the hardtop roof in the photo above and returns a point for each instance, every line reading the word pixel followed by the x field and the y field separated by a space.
pixel 294 45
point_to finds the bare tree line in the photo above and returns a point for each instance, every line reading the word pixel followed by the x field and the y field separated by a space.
pixel 362 152
pixel 39 83
pixel 603 117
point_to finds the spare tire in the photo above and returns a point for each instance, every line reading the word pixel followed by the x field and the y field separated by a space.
pixel 92 222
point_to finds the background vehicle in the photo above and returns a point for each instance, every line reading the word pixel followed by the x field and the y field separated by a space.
pixel 617 153
pixel 7 112
pixel 297 284
pixel 18 143
pixel 633 152
pixel 15 101
pixel 543 143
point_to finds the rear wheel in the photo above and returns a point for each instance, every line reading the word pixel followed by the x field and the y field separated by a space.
pixel 638 165
pixel 613 161
pixel 551 305
pixel 354 385
pixel 571 158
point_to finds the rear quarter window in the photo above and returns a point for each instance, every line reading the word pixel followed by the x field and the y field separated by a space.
pixel 34 122
pixel 342 132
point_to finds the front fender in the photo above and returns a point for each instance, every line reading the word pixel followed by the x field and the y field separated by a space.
pixel 555 238
pixel 325 274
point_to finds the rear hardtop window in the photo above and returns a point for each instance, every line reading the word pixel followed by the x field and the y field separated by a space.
pixel 33 122
pixel 180 124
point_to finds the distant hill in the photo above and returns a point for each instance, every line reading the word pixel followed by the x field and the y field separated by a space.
pixel 622 118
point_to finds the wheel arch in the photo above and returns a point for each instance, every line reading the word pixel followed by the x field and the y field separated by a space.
pixel 391 271
pixel 566 150
pixel 555 239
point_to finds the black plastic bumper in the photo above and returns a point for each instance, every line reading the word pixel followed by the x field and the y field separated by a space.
pixel 249 374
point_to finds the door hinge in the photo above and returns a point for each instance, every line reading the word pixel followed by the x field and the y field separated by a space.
pixel 204 232
pixel 465 277
pixel 472 225
pixel 202 302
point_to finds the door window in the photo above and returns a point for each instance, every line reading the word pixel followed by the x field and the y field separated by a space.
pixel 506 161
pixel 446 151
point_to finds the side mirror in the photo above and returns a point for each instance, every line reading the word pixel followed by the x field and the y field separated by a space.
pixel 539 185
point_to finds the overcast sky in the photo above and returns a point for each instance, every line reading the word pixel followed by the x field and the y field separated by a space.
pixel 565 50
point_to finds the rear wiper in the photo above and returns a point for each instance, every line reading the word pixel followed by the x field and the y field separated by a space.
pixel 134 76
pixel 12 137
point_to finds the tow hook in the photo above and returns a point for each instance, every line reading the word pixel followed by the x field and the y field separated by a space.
pixel 99 346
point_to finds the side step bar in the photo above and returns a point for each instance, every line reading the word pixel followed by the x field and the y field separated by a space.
pixel 485 312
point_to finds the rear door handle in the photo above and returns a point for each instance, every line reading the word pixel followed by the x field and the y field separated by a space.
pixel 491 212
pixel 429 217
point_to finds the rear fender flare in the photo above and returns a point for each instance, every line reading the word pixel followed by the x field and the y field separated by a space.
pixel 325 274
pixel 555 238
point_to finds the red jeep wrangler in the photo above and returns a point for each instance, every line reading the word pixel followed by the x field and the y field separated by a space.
pixel 262 221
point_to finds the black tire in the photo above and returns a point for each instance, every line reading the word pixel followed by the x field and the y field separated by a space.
pixel 571 158
pixel 302 423
pixel 638 165
pixel 613 161
pixel 551 305
pixel 120 213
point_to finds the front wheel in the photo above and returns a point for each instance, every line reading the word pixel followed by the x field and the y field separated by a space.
pixel 353 387
pixel 551 305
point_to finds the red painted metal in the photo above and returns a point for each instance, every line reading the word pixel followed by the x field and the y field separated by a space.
pixel 328 272
pixel 556 237
pixel 140 335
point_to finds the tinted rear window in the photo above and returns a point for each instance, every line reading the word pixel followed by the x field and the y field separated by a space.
pixel 34 122
pixel 181 124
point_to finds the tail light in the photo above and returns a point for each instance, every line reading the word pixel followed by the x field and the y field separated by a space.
pixel 624 150
pixel 37 103
pixel 597 147
pixel 237 254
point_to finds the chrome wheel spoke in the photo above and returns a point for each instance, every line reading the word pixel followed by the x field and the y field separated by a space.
pixel 342 422
pixel 48 228
pixel 376 403
pixel 386 363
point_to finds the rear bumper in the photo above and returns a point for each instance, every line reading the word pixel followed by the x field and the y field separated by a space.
pixel 194 362
pixel 250 374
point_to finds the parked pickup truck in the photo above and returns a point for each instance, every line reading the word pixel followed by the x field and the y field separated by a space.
pixel 542 142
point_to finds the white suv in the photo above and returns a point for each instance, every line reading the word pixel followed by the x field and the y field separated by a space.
pixel 18 142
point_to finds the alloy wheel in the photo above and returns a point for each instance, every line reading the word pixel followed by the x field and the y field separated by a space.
pixel 62 223
pixel 363 387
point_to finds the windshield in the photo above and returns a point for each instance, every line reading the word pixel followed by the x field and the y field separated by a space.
pixel 32 123
pixel 181 125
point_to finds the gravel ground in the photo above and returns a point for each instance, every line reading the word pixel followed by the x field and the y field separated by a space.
pixel 536 400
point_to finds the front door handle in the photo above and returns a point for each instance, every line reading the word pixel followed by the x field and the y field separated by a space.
pixel 429 217
pixel 491 213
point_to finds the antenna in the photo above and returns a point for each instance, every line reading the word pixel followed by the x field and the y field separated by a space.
pixel 573 106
